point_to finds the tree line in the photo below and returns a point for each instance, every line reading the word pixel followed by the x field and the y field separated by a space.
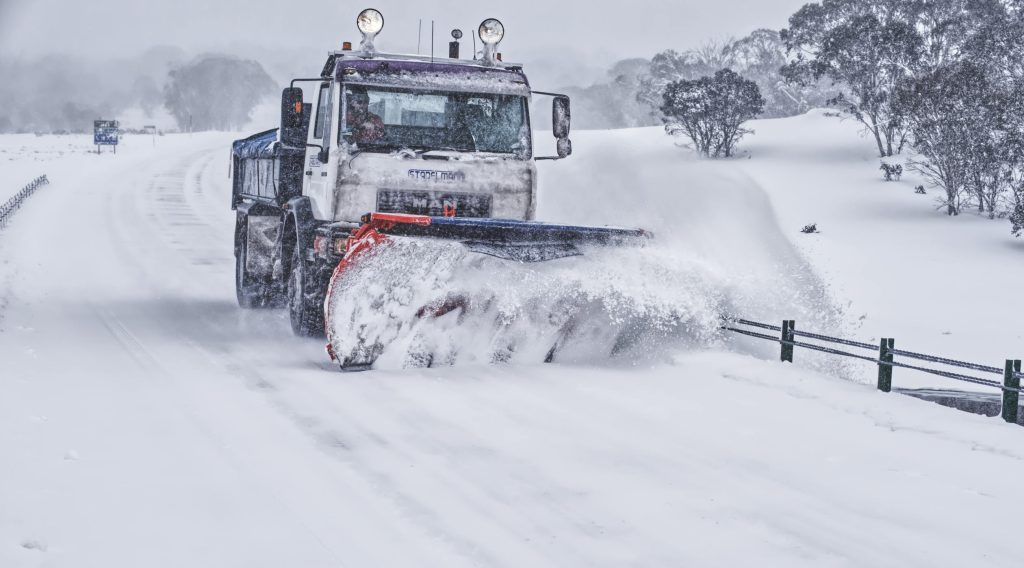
pixel 633 93
pixel 63 94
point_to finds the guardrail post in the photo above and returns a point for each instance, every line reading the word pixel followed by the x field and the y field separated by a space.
pixel 885 371
pixel 1011 396
pixel 787 335
pixel 14 203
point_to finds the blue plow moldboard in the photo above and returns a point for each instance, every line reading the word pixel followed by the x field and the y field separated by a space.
pixel 523 241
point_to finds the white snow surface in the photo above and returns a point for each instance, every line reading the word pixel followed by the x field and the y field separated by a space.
pixel 145 420
pixel 24 157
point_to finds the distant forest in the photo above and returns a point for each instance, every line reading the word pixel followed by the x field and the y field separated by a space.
pixel 632 93
pixel 65 94
pixel 60 93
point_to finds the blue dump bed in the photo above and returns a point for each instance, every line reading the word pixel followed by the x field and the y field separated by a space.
pixel 265 170
pixel 262 145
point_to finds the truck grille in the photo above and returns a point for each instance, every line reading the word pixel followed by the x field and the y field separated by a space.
pixel 434 203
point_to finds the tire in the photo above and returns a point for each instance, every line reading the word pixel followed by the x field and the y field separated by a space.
pixel 249 290
pixel 305 308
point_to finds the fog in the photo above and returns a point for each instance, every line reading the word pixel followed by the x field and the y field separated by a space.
pixel 103 46
pixel 585 33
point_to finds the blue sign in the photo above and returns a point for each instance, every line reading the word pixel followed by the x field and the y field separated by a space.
pixel 104 132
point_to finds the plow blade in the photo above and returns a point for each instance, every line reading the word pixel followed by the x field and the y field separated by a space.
pixel 524 241
pixel 391 251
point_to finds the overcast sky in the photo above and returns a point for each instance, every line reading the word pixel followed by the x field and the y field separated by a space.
pixel 610 29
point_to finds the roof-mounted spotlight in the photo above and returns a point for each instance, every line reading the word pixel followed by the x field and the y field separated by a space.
pixel 491 31
pixel 369 22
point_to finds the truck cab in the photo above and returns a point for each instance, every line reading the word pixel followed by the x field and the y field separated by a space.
pixel 381 133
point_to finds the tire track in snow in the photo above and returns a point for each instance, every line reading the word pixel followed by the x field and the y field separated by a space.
pixel 173 224
pixel 321 420
pixel 329 423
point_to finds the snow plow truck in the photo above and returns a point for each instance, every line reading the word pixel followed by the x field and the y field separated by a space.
pixel 389 148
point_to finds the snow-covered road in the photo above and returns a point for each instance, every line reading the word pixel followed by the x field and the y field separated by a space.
pixel 145 420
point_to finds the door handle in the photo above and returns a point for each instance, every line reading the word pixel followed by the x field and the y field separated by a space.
pixel 309 173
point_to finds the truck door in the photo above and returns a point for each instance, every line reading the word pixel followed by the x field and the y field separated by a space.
pixel 316 184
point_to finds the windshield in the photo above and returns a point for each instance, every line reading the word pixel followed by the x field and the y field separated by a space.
pixel 384 120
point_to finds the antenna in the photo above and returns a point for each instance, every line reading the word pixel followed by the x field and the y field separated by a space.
pixel 474 46
pixel 431 41
pixel 419 36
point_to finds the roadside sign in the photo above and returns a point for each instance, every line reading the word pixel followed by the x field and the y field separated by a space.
pixel 104 133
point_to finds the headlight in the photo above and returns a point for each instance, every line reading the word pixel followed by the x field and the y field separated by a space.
pixel 370 21
pixel 491 31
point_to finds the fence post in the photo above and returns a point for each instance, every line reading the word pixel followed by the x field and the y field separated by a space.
pixel 787 335
pixel 885 371
pixel 1011 382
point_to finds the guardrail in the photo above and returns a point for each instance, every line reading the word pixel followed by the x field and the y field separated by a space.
pixel 884 356
pixel 13 204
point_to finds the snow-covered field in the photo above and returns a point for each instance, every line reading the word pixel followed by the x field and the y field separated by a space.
pixel 900 267
pixel 145 420
pixel 24 157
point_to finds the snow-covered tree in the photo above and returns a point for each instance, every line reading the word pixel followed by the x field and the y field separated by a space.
pixel 758 57
pixel 869 48
pixel 216 92
pixel 953 116
pixel 711 110
pixel 665 67
pixel 966 109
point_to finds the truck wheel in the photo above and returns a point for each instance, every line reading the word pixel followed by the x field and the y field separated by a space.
pixel 249 290
pixel 305 307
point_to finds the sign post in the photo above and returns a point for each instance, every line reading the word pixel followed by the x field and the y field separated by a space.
pixel 104 133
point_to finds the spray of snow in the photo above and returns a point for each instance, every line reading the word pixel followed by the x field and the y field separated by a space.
pixel 717 253
pixel 425 302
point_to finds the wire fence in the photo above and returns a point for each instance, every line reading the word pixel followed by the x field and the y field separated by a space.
pixel 884 356
pixel 8 209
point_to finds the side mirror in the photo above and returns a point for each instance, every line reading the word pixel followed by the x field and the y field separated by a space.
pixel 563 147
pixel 560 116
pixel 292 133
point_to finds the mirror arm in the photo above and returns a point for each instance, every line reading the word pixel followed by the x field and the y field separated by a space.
pixel 309 80
pixel 548 94
pixel 322 155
